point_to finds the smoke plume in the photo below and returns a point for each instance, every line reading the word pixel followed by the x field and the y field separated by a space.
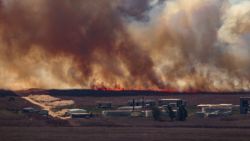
pixel 132 44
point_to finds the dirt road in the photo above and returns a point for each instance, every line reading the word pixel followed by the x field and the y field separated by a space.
pixel 45 107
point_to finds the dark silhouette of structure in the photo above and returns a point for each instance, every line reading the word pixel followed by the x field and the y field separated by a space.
pixel 171 113
pixel 244 105
pixel 156 113
pixel 182 113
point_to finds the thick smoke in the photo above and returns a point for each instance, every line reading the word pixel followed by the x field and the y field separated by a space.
pixel 198 45
pixel 74 41
pixel 132 44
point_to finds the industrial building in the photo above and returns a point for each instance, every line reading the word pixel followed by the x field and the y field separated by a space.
pixel 104 105
pixel 32 110
pixel 146 103
pixel 214 110
pixel 117 113
pixel 172 102
pixel 78 113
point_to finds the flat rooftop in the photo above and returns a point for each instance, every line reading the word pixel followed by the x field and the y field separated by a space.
pixel 172 99
pixel 215 105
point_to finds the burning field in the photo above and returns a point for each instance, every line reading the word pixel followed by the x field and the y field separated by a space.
pixel 125 44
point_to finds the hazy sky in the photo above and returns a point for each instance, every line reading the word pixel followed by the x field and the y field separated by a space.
pixel 235 1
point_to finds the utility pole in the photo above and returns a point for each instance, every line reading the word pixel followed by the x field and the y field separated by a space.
pixel 133 104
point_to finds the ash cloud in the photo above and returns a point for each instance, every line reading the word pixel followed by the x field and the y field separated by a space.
pixel 142 44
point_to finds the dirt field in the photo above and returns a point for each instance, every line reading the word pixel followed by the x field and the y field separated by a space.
pixel 122 134
pixel 91 97
pixel 191 99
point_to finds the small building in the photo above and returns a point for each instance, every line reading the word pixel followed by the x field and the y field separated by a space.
pixel 141 102
pixel 104 105
pixel 78 113
pixel 214 110
pixel 148 113
pixel 142 113
pixel 149 103
pixel 171 102
pixel 244 105
pixel 130 108
pixel 44 113
pixel 30 110
pixel 117 113
pixel 81 115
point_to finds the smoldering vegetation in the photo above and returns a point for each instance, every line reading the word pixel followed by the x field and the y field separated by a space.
pixel 144 44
